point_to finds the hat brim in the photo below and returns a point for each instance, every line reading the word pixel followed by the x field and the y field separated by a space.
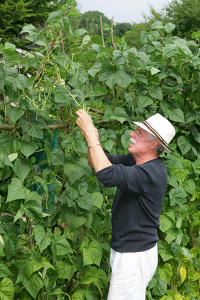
pixel 166 147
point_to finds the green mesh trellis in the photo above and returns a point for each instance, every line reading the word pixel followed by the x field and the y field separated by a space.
pixel 40 165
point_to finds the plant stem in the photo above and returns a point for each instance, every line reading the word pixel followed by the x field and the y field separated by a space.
pixel 102 35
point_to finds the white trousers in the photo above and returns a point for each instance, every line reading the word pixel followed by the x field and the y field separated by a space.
pixel 131 273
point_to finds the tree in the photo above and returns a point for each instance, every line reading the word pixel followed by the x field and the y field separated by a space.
pixel 121 28
pixel 90 20
pixel 15 13
pixel 185 14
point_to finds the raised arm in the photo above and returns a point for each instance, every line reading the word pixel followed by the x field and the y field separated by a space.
pixel 96 156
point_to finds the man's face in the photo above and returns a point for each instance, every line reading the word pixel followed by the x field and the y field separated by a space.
pixel 140 141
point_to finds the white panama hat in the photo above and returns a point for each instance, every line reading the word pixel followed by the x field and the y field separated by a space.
pixel 161 128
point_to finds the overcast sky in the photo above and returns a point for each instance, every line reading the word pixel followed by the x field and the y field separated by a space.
pixel 122 11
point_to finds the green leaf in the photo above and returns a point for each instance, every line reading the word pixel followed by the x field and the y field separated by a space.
pixel 169 27
pixel 65 270
pixel 92 254
pixel 12 156
pixel 4 270
pixel 95 69
pixel 144 101
pixel 160 288
pixel 6 289
pixel 28 29
pixel 183 144
pixel 54 17
pixel 15 114
pixel 73 172
pixel 120 77
pixel 97 199
pixel 153 36
pixel 72 219
pixel 88 200
pixel 21 168
pixel 61 95
pixel 41 237
pixel 85 40
pixel 176 114
pixel 35 132
pixel 177 196
pixel 154 71
pixel 100 90
pixel 16 190
pixel 172 234
pixel 33 285
pixel 57 157
pixel 79 32
pixel 166 272
pixel 61 246
pixel 95 276
pixel 164 252
pixel 108 145
pixel 157 25
pixel 33 206
pixel 189 186
pixel 165 223
pixel 79 294
pixel 28 148
pixel 156 93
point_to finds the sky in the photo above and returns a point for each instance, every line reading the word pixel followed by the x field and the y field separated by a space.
pixel 131 11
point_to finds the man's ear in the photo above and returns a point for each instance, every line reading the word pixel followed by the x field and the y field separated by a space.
pixel 154 144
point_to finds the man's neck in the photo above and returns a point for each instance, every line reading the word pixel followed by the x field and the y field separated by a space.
pixel 144 159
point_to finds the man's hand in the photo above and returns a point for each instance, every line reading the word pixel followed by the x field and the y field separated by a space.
pixel 86 126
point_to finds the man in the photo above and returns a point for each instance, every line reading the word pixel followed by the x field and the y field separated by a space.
pixel 141 179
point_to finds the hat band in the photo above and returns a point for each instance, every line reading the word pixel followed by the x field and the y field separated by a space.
pixel 159 137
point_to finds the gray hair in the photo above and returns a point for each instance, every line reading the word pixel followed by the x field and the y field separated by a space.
pixel 159 149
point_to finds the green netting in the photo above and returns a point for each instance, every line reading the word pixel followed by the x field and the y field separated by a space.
pixel 41 164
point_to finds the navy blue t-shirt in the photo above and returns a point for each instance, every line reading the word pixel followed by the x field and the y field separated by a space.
pixel 137 203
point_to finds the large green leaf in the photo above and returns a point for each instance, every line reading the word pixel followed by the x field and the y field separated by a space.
pixel 4 270
pixel 165 223
pixel 92 254
pixel 72 219
pixel 73 172
pixel 144 101
pixel 156 93
pixel 41 237
pixel 28 148
pixel 21 168
pixel 65 270
pixel 120 77
pixel 15 114
pixel 6 289
pixel 183 144
pixel 177 196
pixel 33 206
pixel 60 246
pixel 95 69
pixel 57 157
pixel 16 190
pixel 95 276
pixel 33 284
pixel 61 95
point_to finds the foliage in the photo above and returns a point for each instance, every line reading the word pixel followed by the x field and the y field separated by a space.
pixel 14 14
pixel 90 20
pixel 55 216
pixel 121 28
pixel 132 37
pixel 186 15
